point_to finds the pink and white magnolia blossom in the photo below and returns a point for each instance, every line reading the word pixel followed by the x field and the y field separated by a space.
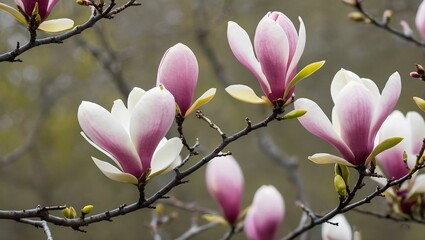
pixel 225 182
pixel 278 48
pixel 40 9
pixel 342 231
pixel 420 20
pixel 265 214
pixel 133 136
pixel 178 72
pixel 412 128
pixel 358 114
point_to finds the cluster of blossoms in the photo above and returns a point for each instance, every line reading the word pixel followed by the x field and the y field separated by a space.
pixel 132 135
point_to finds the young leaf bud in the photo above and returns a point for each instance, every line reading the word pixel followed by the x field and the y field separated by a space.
pixel 69 212
pixel 159 208
pixel 420 103
pixel 340 186
pixel 356 16
pixel 386 16
pixel 295 114
pixel 342 171
pixel 86 209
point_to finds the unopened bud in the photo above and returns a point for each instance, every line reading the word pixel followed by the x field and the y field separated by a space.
pixel 295 114
pixel 415 75
pixel 356 16
pixel 342 171
pixel 386 16
pixel 86 209
pixel 69 212
pixel 420 69
pixel 340 187
pixel 420 103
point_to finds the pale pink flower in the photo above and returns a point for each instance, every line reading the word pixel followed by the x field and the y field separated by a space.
pixel 133 136
pixel 265 214
pixel 358 114
pixel 225 183
pixel 278 48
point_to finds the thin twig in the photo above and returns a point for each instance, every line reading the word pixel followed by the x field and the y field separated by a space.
pixel 38 224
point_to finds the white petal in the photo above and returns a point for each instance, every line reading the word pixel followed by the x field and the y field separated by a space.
pixel 165 156
pixel 121 114
pixel 133 98
pixel 341 79
pixel 326 158
pixel 245 94
pixel 114 173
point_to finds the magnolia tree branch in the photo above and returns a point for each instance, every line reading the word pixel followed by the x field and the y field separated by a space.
pixel 384 24
pixel 38 224
pixel 389 216
pixel 44 213
pixel 108 13
pixel 346 205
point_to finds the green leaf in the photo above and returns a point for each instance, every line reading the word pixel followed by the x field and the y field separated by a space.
pixel 305 72
pixel 386 144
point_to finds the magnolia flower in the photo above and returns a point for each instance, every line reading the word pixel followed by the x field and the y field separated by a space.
pixel 265 214
pixel 342 231
pixel 412 129
pixel 178 72
pixel 358 114
pixel 33 14
pixel 420 20
pixel 133 137
pixel 225 183
pixel 278 47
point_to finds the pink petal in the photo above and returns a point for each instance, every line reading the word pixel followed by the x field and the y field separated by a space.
pixel 316 122
pixel 392 159
pixel 150 121
pixel 292 69
pixel 178 72
pixel 272 49
pixel 354 107
pixel 387 102
pixel 266 214
pixel 225 183
pixel 420 19
pixel 106 132
pixel 241 46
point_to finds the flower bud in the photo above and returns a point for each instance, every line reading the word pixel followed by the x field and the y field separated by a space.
pixel 407 31
pixel 340 186
pixel 342 171
pixel 420 69
pixel 86 209
pixel 69 212
pixel 415 75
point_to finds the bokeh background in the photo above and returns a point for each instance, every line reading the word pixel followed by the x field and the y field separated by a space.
pixel 39 99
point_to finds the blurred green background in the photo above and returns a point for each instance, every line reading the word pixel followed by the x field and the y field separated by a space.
pixel 39 99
